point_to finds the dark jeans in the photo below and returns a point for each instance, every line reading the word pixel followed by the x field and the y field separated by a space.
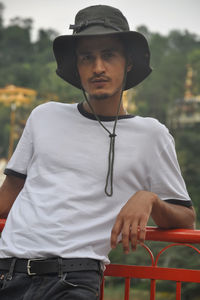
pixel 81 285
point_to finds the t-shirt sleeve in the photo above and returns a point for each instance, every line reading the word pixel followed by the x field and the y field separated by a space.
pixel 165 178
pixel 19 162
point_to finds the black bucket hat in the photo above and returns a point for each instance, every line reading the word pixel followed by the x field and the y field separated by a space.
pixel 101 20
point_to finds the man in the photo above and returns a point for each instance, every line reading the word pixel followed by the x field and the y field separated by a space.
pixel 85 176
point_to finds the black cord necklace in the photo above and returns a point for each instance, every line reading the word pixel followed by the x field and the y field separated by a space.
pixel 112 135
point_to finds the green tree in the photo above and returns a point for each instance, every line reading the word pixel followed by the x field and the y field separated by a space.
pixel 16 44
pixel 51 87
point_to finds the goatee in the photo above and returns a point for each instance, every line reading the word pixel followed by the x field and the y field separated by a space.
pixel 100 96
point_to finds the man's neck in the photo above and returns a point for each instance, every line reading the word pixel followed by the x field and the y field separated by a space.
pixel 104 107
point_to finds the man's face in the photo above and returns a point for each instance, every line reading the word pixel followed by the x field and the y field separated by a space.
pixel 101 65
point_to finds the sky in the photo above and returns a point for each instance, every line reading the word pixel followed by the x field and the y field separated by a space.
pixel 158 15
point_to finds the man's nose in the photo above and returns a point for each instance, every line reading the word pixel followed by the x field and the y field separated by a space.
pixel 99 66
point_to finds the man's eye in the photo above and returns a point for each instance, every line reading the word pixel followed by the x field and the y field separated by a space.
pixel 86 58
pixel 108 55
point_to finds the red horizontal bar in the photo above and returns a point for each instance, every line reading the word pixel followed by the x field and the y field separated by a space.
pixel 173 235
pixel 2 223
pixel 157 273
pixel 162 235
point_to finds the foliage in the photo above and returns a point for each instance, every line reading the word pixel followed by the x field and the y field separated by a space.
pixel 188 145
pixel 170 56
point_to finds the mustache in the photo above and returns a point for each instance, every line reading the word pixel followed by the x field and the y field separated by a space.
pixel 99 78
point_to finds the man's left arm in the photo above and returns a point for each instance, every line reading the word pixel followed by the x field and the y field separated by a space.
pixel 133 217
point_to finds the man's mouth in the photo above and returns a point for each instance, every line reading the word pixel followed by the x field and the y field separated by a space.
pixel 99 80
pixel 99 83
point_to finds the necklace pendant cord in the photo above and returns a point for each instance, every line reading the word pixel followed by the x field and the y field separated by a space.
pixel 111 155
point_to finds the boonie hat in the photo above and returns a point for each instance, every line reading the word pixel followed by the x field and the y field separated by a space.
pixel 95 21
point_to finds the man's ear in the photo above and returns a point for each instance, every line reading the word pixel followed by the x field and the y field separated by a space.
pixel 129 67
pixel 129 64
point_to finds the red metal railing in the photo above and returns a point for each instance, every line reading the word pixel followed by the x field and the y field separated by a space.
pixel 175 237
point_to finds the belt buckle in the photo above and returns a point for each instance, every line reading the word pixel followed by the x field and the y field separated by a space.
pixel 29 266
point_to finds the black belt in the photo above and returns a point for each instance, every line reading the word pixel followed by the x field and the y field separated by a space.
pixel 47 266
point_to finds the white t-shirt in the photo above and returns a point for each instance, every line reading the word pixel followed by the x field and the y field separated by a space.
pixel 63 154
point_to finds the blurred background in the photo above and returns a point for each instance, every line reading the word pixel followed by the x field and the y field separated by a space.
pixel 171 93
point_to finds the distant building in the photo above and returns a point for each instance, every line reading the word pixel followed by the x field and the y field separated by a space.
pixel 186 111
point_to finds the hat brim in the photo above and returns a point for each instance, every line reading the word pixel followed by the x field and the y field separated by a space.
pixel 64 51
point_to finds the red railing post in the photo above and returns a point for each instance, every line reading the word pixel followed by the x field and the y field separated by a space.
pixel 127 288
pixel 153 289
pixel 102 289
pixel 178 290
